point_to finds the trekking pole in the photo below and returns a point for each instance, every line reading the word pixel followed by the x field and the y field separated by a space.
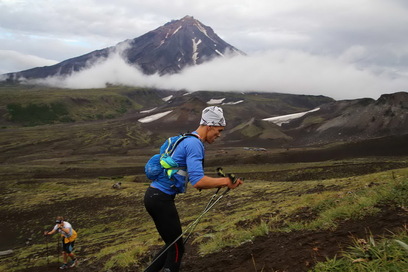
pixel 58 249
pixel 192 225
pixel 209 205
pixel 221 174
pixel 46 242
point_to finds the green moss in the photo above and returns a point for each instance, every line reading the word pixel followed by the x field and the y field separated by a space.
pixel 116 232
pixel 37 114
pixel 30 105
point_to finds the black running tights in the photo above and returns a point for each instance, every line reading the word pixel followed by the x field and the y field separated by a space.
pixel 162 209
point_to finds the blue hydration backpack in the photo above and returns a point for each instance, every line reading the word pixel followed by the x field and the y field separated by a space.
pixel 163 161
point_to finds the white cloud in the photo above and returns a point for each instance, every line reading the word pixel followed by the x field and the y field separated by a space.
pixel 284 71
pixel 354 54
pixel 113 71
pixel 340 48
pixel 15 61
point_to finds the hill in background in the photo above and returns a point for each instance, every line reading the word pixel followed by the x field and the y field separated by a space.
pixel 322 121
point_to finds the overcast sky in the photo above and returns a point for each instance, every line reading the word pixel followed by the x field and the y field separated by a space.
pixel 344 49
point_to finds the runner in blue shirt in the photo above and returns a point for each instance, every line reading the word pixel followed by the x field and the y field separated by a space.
pixel 160 195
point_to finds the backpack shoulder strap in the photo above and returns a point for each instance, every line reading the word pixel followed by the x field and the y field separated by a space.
pixel 171 147
pixel 191 134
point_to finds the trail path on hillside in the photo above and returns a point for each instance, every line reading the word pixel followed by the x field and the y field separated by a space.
pixel 295 251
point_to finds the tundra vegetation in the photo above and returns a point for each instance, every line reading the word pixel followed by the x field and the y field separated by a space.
pixel 68 168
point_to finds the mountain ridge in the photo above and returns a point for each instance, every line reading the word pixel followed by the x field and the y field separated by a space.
pixel 325 120
pixel 166 50
pixel 352 120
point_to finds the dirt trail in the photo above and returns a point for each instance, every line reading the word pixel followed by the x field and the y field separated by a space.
pixel 296 251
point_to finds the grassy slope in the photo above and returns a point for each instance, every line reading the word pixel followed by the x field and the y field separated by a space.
pixel 115 230
pixel 68 169
pixel 114 101
pixel 83 104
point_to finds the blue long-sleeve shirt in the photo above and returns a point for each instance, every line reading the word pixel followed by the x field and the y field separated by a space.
pixel 188 154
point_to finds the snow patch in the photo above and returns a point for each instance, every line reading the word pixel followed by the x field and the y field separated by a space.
pixel 283 119
pixel 202 29
pixel 164 40
pixel 161 43
pixel 175 31
pixel 219 53
pixel 153 117
pixel 167 98
pixel 147 111
pixel 233 103
pixel 195 51
pixel 215 101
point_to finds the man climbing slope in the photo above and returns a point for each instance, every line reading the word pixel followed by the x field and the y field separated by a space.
pixel 68 235
pixel 160 195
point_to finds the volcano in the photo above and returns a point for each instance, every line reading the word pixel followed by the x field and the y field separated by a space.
pixel 165 50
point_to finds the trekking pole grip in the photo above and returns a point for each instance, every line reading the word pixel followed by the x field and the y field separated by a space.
pixel 232 177
pixel 220 172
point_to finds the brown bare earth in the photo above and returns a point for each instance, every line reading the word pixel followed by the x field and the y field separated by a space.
pixel 296 251
pixel 278 252
pixel 68 168
pixel 292 252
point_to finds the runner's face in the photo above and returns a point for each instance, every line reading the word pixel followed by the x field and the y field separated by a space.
pixel 213 133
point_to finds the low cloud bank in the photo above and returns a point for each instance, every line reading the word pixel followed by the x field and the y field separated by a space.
pixel 284 71
pixel 15 61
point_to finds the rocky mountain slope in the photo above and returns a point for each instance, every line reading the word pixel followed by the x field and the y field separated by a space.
pixel 254 119
pixel 352 120
pixel 165 50
pixel 322 120
pixel 244 112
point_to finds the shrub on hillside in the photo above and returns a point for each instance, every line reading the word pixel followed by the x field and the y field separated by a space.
pixel 38 114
